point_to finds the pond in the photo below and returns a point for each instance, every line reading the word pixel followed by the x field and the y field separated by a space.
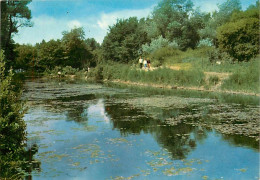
pixel 106 131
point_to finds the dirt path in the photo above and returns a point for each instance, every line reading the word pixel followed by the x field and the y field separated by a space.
pixel 220 76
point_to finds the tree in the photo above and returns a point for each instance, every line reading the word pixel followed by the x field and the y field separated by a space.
pixel 124 40
pixel 14 14
pixel 170 15
pixel 92 44
pixel 76 52
pixel 219 18
pixel 177 21
pixel 50 54
pixel 95 50
pixel 240 37
pixel 25 55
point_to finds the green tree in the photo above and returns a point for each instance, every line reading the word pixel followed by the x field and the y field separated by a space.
pixel 240 37
pixel 49 55
pixel 92 44
pixel 219 18
pixel 95 50
pixel 14 14
pixel 177 21
pixel 170 15
pixel 77 53
pixel 25 56
pixel 124 40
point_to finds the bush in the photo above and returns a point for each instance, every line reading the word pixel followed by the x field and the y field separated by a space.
pixel 216 55
pixel 13 156
pixel 12 125
pixel 158 43
pixel 205 43
pixel 240 39
pixel 163 54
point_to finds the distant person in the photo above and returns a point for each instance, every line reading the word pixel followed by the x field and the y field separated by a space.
pixel 145 63
pixel 141 62
pixel 148 63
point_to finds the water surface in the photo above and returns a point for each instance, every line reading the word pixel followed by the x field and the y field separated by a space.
pixel 95 131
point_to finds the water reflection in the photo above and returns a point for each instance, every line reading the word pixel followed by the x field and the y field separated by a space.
pixel 176 139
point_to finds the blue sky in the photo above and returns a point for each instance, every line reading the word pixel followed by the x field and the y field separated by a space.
pixel 52 17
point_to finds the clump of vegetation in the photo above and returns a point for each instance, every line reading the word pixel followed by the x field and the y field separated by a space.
pixel 13 156
pixel 245 77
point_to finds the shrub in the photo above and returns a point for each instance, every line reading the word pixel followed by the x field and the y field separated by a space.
pixel 158 43
pixel 13 156
pixel 163 54
pixel 240 39
pixel 205 43
pixel 216 55
pixel 12 126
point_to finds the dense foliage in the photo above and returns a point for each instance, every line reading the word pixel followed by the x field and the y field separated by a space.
pixel 124 40
pixel 12 126
pixel 14 14
pixel 72 50
pixel 240 36
pixel 13 155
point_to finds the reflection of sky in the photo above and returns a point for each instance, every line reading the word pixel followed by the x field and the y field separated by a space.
pixel 99 111
pixel 225 160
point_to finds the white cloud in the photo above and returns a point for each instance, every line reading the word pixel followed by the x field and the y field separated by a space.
pixel 206 5
pixel 74 23
pixel 108 19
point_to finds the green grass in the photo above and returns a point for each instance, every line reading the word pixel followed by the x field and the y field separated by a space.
pixel 244 78
pixel 213 80
pixel 112 71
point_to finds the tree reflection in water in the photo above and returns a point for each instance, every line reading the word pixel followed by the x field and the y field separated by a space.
pixel 178 140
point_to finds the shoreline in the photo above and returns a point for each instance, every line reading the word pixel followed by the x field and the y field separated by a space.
pixel 181 87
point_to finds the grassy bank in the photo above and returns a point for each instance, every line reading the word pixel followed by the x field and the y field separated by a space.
pixel 192 68
pixel 165 76
pixel 199 68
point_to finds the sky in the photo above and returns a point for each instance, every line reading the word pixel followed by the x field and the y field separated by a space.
pixel 51 17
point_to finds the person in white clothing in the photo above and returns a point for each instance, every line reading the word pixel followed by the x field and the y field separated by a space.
pixel 141 62
pixel 145 63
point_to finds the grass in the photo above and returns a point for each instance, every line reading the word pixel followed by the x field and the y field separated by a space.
pixel 244 75
pixel 213 80
pixel 164 76
pixel 244 78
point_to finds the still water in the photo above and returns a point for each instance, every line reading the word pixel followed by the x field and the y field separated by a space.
pixel 95 132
